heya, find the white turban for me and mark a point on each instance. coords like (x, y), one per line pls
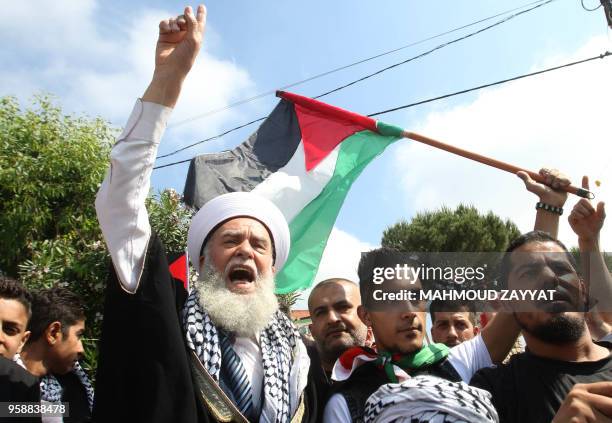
(238, 204)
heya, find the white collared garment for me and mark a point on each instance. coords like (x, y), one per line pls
(250, 354)
(123, 218)
(125, 224)
(120, 203)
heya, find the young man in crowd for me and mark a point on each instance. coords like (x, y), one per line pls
(452, 323)
(54, 348)
(15, 312)
(564, 375)
(455, 322)
(399, 328)
(16, 384)
(335, 327)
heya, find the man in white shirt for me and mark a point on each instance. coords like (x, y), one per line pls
(399, 328)
(223, 351)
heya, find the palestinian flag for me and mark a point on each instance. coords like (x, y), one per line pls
(304, 157)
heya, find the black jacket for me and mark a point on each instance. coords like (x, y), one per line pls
(18, 385)
(144, 369)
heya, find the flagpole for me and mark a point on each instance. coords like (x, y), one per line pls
(385, 129)
(581, 192)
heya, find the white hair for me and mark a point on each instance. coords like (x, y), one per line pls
(242, 314)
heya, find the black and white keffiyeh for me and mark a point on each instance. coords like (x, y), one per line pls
(51, 390)
(277, 342)
(430, 399)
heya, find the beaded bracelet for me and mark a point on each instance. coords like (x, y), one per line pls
(549, 208)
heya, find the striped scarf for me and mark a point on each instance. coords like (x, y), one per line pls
(50, 388)
(277, 342)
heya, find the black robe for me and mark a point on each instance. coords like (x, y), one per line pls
(319, 387)
(74, 393)
(143, 372)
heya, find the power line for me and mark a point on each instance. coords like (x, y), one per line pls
(456, 40)
(503, 81)
(601, 56)
(213, 137)
(171, 164)
(367, 76)
(329, 72)
(590, 10)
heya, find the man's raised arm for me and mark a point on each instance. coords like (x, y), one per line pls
(120, 203)
(552, 199)
(587, 220)
(500, 334)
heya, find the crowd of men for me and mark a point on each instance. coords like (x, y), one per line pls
(40, 348)
(224, 351)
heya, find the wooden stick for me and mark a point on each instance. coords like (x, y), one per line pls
(581, 192)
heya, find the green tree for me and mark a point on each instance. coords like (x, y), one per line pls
(287, 301)
(461, 230)
(51, 166)
(170, 219)
(575, 251)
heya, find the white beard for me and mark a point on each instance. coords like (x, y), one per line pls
(242, 314)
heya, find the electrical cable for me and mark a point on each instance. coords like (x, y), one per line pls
(600, 56)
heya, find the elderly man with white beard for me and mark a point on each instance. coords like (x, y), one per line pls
(224, 352)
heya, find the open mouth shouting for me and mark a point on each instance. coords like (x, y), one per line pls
(241, 277)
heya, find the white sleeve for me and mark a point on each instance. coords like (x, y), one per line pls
(120, 203)
(336, 410)
(469, 357)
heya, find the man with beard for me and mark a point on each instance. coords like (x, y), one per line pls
(335, 327)
(562, 375)
(224, 352)
(399, 328)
